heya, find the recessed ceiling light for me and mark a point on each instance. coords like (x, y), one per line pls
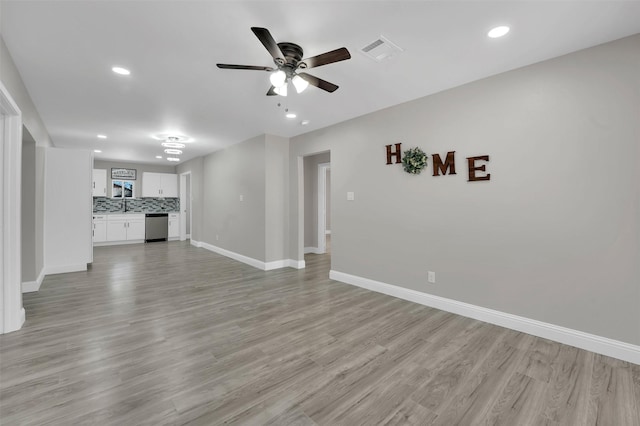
(304, 122)
(173, 151)
(97, 150)
(102, 136)
(173, 145)
(291, 115)
(121, 71)
(159, 156)
(172, 159)
(498, 31)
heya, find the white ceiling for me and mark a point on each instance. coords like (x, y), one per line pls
(64, 51)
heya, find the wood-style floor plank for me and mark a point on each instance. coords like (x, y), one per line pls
(167, 333)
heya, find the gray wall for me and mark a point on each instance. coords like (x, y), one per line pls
(228, 223)
(311, 197)
(31, 120)
(28, 214)
(276, 188)
(553, 236)
(140, 169)
(195, 166)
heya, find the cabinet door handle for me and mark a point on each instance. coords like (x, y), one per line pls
(94, 185)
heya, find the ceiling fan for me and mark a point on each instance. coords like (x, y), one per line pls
(288, 60)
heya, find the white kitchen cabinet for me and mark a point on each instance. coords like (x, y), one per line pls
(99, 228)
(159, 185)
(174, 226)
(125, 227)
(99, 186)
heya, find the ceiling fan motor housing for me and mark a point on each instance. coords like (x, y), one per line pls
(292, 56)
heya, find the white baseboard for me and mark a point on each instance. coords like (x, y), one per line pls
(578, 339)
(296, 264)
(63, 269)
(195, 243)
(23, 317)
(264, 266)
(188, 236)
(117, 243)
(33, 286)
(313, 250)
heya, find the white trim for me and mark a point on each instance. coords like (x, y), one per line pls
(264, 266)
(578, 339)
(195, 243)
(188, 236)
(183, 217)
(117, 243)
(33, 286)
(12, 314)
(63, 269)
(313, 250)
(296, 264)
(327, 232)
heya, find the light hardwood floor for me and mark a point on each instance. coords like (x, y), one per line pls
(165, 333)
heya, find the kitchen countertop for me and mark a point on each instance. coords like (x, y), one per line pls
(112, 213)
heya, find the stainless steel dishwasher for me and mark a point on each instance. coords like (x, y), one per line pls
(156, 227)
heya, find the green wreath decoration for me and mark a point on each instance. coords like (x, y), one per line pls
(414, 161)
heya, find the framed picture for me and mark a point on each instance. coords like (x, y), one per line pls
(129, 174)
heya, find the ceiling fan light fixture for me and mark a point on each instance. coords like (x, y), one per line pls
(282, 90)
(278, 79)
(299, 83)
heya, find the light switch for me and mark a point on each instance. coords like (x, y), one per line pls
(350, 196)
(241, 197)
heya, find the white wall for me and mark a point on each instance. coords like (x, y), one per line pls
(553, 236)
(68, 207)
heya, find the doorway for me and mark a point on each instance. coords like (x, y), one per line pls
(316, 194)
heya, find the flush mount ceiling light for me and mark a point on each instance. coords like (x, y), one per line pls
(173, 151)
(173, 159)
(498, 31)
(172, 137)
(102, 136)
(159, 157)
(173, 145)
(121, 71)
(97, 151)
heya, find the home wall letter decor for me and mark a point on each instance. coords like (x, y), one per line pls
(397, 153)
(441, 168)
(449, 164)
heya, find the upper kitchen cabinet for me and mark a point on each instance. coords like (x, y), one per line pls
(99, 186)
(159, 185)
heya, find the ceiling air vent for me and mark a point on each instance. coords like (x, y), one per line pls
(381, 49)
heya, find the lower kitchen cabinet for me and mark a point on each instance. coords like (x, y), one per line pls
(174, 226)
(125, 227)
(99, 233)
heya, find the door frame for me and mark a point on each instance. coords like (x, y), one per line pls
(183, 195)
(12, 314)
(322, 206)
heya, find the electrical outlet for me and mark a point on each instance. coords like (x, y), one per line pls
(350, 196)
(431, 277)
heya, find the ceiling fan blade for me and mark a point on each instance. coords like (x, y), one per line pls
(271, 92)
(243, 67)
(318, 82)
(267, 40)
(337, 55)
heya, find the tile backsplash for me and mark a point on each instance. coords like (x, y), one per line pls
(140, 205)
